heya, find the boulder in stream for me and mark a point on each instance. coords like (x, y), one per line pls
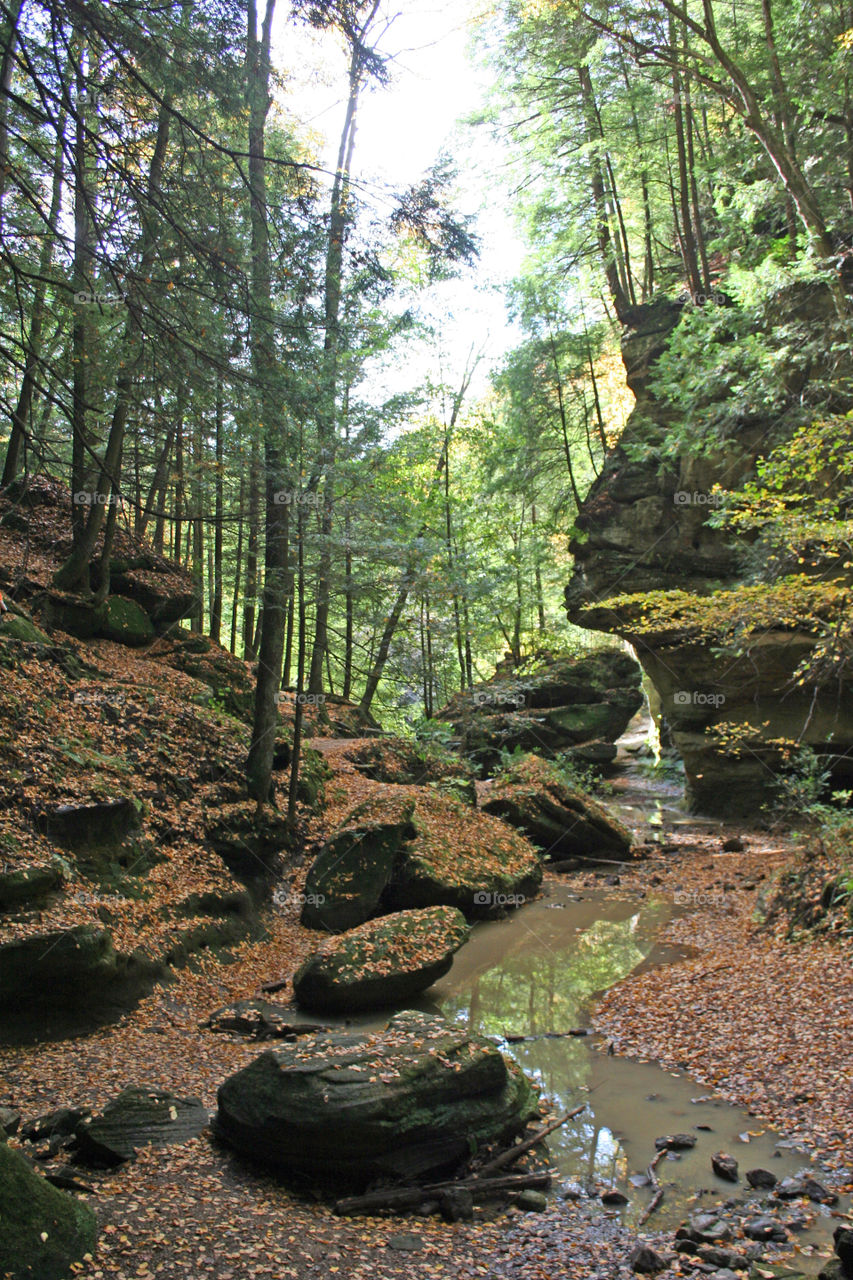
(384, 961)
(404, 1103)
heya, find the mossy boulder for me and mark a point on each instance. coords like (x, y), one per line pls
(534, 796)
(44, 1230)
(27, 884)
(408, 1102)
(551, 702)
(126, 622)
(346, 881)
(64, 967)
(138, 1117)
(16, 626)
(409, 847)
(382, 962)
(227, 676)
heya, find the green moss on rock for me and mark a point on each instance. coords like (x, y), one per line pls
(125, 622)
(43, 1230)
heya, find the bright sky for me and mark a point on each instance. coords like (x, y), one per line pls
(402, 130)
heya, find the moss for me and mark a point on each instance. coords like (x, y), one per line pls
(14, 626)
(125, 622)
(44, 1229)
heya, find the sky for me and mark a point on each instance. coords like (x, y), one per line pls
(403, 128)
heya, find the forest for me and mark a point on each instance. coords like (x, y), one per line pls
(378, 670)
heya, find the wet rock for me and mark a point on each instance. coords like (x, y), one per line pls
(722, 1257)
(44, 1230)
(139, 1117)
(843, 1241)
(259, 1020)
(535, 797)
(764, 1229)
(571, 1191)
(794, 1188)
(761, 1179)
(405, 1102)
(704, 1228)
(675, 1142)
(834, 1269)
(532, 1201)
(613, 1197)
(645, 1260)
(725, 1166)
(385, 961)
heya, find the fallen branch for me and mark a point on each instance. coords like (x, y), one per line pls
(510, 1156)
(407, 1197)
(656, 1199)
(269, 987)
(651, 1206)
(512, 1037)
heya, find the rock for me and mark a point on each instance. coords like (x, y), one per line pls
(645, 1260)
(534, 796)
(843, 1241)
(722, 1257)
(834, 1269)
(404, 1103)
(675, 1142)
(71, 967)
(9, 1121)
(392, 853)
(259, 1019)
(704, 1228)
(764, 1229)
(139, 1117)
(125, 622)
(571, 1191)
(253, 847)
(44, 1230)
(406, 1242)
(60, 1124)
(384, 961)
(354, 867)
(456, 1205)
(552, 702)
(725, 1166)
(734, 844)
(106, 822)
(612, 1197)
(761, 1179)
(158, 586)
(532, 1201)
(794, 1188)
(25, 884)
(227, 676)
(16, 626)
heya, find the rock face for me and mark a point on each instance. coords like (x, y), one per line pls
(77, 966)
(259, 1020)
(551, 703)
(412, 1100)
(27, 884)
(720, 653)
(560, 820)
(44, 1230)
(139, 1117)
(382, 962)
(407, 848)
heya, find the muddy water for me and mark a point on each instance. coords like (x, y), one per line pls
(537, 973)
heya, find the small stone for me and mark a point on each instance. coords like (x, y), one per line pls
(764, 1229)
(571, 1191)
(613, 1197)
(675, 1142)
(761, 1179)
(532, 1201)
(724, 1166)
(705, 1228)
(9, 1120)
(405, 1242)
(645, 1260)
(734, 844)
(723, 1257)
(843, 1238)
(834, 1270)
(794, 1188)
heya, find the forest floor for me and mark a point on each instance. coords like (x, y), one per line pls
(767, 1023)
